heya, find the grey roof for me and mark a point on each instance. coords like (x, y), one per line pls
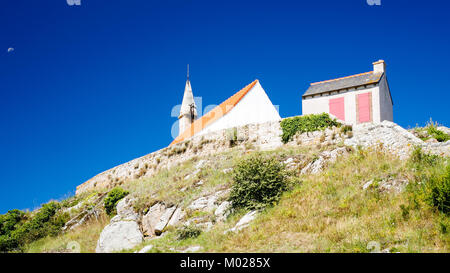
(343, 83)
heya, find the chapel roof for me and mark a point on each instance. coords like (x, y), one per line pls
(215, 114)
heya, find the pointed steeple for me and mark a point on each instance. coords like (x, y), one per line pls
(188, 111)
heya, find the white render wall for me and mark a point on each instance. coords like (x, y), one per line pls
(254, 107)
(320, 104)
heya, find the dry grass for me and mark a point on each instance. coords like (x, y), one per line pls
(85, 235)
(331, 213)
(327, 212)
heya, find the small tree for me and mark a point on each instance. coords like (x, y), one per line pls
(113, 198)
(258, 182)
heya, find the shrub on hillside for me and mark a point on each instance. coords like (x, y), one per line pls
(437, 134)
(432, 173)
(113, 198)
(307, 123)
(420, 159)
(186, 232)
(258, 182)
(18, 228)
(437, 190)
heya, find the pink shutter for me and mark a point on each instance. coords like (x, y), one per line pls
(337, 108)
(364, 107)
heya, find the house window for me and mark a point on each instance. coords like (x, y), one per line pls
(337, 108)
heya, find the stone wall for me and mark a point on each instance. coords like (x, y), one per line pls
(265, 136)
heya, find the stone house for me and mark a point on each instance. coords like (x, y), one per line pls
(354, 99)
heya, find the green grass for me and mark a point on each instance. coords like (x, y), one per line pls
(327, 212)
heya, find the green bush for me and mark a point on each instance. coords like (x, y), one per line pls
(420, 160)
(437, 190)
(258, 182)
(113, 198)
(186, 232)
(18, 228)
(307, 123)
(437, 134)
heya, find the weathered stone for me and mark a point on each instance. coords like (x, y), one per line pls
(244, 221)
(393, 185)
(367, 184)
(125, 209)
(192, 249)
(177, 217)
(227, 170)
(263, 135)
(325, 158)
(164, 220)
(206, 226)
(118, 236)
(222, 210)
(145, 249)
(152, 217)
(289, 160)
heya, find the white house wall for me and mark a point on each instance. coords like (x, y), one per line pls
(254, 107)
(320, 104)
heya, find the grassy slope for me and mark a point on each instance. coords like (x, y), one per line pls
(328, 212)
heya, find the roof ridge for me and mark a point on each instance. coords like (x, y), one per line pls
(356, 75)
(216, 113)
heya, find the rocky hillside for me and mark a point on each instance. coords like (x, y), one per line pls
(331, 188)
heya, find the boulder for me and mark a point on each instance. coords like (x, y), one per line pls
(152, 217)
(244, 221)
(325, 158)
(164, 220)
(222, 211)
(145, 249)
(192, 249)
(367, 184)
(207, 203)
(118, 236)
(125, 209)
(176, 218)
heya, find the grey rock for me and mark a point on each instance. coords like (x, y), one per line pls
(118, 236)
(192, 249)
(244, 221)
(152, 217)
(125, 209)
(177, 217)
(367, 184)
(222, 210)
(145, 249)
(164, 220)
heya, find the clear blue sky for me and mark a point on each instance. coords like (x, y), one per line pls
(85, 88)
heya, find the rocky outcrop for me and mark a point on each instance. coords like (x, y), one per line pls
(223, 210)
(118, 236)
(244, 221)
(394, 185)
(207, 203)
(123, 232)
(90, 212)
(396, 139)
(325, 158)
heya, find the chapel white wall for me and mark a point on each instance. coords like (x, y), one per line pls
(254, 107)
